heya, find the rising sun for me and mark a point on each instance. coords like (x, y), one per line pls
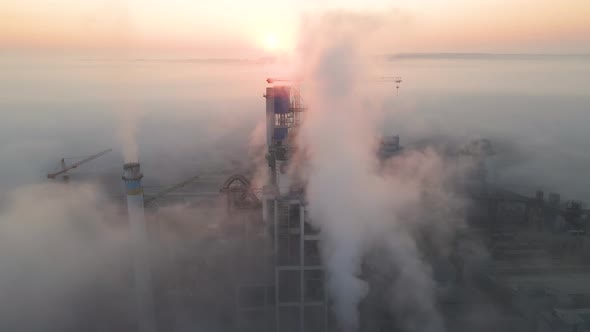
(272, 42)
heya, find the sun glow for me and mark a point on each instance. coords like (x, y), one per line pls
(272, 42)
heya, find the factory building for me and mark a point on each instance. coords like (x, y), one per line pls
(258, 268)
(299, 296)
(296, 299)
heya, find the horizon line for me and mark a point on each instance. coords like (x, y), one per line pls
(387, 56)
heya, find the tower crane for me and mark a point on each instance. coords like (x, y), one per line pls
(65, 168)
(273, 80)
(396, 79)
(150, 200)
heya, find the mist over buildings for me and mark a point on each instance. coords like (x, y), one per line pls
(197, 118)
(189, 108)
(63, 249)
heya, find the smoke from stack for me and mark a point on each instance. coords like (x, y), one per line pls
(359, 205)
(128, 136)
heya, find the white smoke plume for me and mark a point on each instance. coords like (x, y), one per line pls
(126, 105)
(116, 21)
(128, 135)
(257, 152)
(358, 204)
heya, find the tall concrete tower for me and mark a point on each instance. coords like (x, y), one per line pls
(300, 301)
(140, 249)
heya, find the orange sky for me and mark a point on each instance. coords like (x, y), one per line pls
(229, 28)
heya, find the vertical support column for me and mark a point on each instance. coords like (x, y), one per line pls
(301, 268)
(276, 263)
(493, 213)
(264, 209)
(527, 214)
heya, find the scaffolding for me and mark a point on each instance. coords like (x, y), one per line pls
(299, 276)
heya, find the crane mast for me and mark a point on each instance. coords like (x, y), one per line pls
(396, 79)
(166, 191)
(65, 168)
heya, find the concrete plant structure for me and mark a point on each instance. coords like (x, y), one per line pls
(256, 267)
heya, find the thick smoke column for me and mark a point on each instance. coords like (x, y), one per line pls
(113, 20)
(333, 164)
(358, 206)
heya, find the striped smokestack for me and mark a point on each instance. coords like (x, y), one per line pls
(139, 237)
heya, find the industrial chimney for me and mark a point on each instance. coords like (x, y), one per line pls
(140, 249)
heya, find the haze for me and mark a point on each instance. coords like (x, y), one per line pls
(186, 28)
(178, 86)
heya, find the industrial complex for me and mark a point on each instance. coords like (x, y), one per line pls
(518, 263)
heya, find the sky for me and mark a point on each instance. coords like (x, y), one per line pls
(229, 28)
